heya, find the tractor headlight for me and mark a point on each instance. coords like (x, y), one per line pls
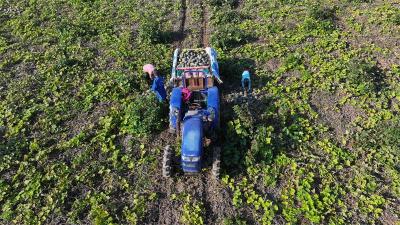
(191, 158)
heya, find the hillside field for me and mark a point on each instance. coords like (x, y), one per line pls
(317, 141)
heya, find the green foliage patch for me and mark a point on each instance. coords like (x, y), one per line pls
(318, 144)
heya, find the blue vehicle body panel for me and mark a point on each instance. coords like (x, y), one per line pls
(192, 142)
(192, 136)
(176, 97)
(175, 103)
(213, 102)
(214, 63)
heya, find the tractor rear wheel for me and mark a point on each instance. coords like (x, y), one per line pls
(216, 165)
(167, 162)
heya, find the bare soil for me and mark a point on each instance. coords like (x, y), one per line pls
(338, 118)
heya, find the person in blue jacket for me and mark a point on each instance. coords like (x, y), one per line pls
(157, 85)
(246, 81)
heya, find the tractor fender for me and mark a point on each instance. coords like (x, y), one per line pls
(213, 103)
(175, 106)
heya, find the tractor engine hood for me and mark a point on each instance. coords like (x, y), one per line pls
(192, 136)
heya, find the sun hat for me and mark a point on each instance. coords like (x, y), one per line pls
(148, 68)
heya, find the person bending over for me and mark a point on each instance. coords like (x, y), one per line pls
(157, 82)
(246, 82)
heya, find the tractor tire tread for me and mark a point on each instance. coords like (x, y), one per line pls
(167, 162)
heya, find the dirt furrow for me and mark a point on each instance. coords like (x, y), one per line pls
(182, 20)
(204, 32)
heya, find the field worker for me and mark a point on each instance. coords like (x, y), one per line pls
(157, 82)
(246, 81)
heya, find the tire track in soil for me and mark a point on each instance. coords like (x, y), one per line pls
(204, 31)
(182, 23)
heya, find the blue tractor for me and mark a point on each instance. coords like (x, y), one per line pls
(194, 109)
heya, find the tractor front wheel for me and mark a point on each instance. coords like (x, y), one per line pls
(167, 162)
(216, 166)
